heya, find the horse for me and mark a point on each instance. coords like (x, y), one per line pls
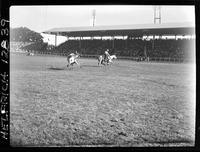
(30, 54)
(141, 58)
(72, 59)
(101, 59)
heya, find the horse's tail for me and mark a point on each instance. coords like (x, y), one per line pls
(98, 57)
(68, 58)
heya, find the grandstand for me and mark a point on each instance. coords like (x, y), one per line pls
(136, 40)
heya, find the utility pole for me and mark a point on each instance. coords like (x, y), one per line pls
(157, 20)
(93, 15)
(157, 14)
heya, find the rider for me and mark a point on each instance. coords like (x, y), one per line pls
(72, 54)
(106, 55)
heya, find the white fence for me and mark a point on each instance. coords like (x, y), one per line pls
(155, 59)
(152, 59)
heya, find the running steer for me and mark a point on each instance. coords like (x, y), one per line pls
(72, 59)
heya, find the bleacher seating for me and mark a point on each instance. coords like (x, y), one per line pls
(133, 47)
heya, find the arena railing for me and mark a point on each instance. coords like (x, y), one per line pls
(151, 59)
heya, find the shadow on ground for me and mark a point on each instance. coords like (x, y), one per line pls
(90, 66)
(55, 68)
(173, 141)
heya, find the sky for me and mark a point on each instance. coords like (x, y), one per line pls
(42, 18)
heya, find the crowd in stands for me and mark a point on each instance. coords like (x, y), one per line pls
(180, 48)
(35, 47)
(171, 48)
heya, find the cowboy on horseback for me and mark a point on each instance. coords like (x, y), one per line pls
(106, 56)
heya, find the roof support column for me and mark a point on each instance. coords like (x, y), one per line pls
(80, 43)
(56, 39)
(126, 43)
(153, 43)
(145, 48)
(113, 44)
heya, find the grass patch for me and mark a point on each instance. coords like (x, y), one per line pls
(125, 104)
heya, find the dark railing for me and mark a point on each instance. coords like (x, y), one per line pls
(152, 59)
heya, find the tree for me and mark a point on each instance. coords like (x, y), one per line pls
(23, 34)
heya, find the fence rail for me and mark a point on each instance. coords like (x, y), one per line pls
(156, 59)
(151, 59)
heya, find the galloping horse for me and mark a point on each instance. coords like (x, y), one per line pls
(30, 54)
(72, 59)
(102, 61)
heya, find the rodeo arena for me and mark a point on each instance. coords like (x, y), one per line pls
(118, 85)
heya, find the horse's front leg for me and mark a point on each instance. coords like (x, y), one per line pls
(77, 63)
(103, 62)
(110, 62)
(68, 62)
(100, 62)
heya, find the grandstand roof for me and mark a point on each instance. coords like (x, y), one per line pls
(122, 30)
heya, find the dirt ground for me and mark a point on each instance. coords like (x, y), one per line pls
(130, 104)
